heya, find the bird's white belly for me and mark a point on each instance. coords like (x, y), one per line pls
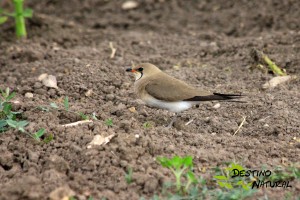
(176, 107)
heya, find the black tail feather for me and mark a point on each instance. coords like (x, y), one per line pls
(218, 97)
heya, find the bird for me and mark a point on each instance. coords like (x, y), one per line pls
(160, 90)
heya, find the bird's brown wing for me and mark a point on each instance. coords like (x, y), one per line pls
(167, 88)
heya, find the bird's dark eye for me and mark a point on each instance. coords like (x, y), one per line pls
(140, 69)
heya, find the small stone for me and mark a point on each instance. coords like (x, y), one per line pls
(128, 5)
(216, 106)
(123, 163)
(88, 93)
(132, 109)
(25, 89)
(28, 95)
(52, 92)
(110, 97)
(40, 91)
(207, 119)
(37, 85)
(61, 193)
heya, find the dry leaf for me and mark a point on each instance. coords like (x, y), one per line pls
(276, 81)
(42, 76)
(50, 81)
(100, 140)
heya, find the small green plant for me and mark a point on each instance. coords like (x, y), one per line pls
(66, 108)
(19, 15)
(234, 188)
(3, 19)
(147, 125)
(180, 166)
(8, 118)
(109, 122)
(263, 59)
(66, 103)
(128, 176)
(282, 174)
(225, 179)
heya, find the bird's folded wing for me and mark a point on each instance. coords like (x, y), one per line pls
(172, 90)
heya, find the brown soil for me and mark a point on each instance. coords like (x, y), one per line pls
(210, 41)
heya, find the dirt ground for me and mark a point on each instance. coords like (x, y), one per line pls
(208, 42)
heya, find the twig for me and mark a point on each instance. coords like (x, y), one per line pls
(262, 58)
(189, 122)
(113, 50)
(240, 126)
(77, 123)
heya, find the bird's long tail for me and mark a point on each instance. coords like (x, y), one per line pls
(218, 97)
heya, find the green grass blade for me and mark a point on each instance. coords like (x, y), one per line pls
(66, 103)
(9, 97)
(3, 123)
(3, 19)
(23, 123)
(27, 13)
(53, 105)
(12, 123)
(39, 134)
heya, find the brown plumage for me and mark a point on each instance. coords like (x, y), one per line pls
(160, 90)
(167, 88)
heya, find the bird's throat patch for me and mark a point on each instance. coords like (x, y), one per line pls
(138, 78)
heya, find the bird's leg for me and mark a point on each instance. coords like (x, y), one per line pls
(173, 120)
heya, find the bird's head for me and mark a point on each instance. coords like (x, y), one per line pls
(143, 70)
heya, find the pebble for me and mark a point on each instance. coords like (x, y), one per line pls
(63, 192)
(52, 92)
(40, 91)
(28, 95)
(110, 97)
(216, 106)
(128, 5)
(37, 85)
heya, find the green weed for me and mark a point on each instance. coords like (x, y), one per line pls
(19, 15)
(180, 167)
(282, 174)
(189, 186)
(66, 107)
(109, 122)
(147, 125)
(8, 118)
(128, 176)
